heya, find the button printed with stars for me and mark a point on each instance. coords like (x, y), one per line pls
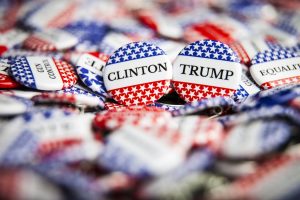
(206, 69)
(6, 81)
(90, 71)
(138, 73)
(43, 73)
(276, 68)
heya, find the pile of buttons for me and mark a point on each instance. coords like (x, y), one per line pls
(133, 99)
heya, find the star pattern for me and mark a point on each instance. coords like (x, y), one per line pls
(92, 80)
(76, 89)
(280, 82)
(67, 73)
(276, 54)
(141, 94)
(6, 81)
(193, 92)
(210, 49)
(240, 94)
(22, 73)
(166, 107)
(134, 51)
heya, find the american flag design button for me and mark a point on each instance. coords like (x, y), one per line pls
(90, 71)
(6, 81)
(50, 40)
(206, 69)
(138, 73)
(275, 68)
(43, 73)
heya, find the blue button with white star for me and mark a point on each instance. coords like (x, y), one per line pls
(206, 69)
(43, 73)
(138, 73)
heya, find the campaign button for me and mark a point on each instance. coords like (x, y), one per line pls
(43, 73)
(90, 68)
(246, 88)
(206, 69)
(275, 68)
(12, 105)
(138, 73)
(6, 81)
(50, 40)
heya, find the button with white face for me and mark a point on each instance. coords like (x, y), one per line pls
(138, 73)
(275, 68)
(43, 73)
(206, 69)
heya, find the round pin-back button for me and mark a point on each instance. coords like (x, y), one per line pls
(43, 73)
(6, 81)
(206, 69)
(275, 68)
(50, 40)
(138, 73)
(12, 105)
(90, 68)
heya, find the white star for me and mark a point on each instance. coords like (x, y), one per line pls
(134, 89)
(148, 93)
(128, 51)
(191, 52)
(159, 84)
(216, 55)
(144, 100)
(180, 86)
(188, 87)
(183, 92)
(125, 91)
(158, 51)
(212, 49)
(204, 48)
(133, 56)
(142, 87)
(222, 92)
(209, 42)
(200, 95)
(136, 49)
(142, 54)
(132, 45)
(192, 94)
(152, 46)
(122, 98)
(156, 92)
(130, 96)
(145, 48)
(150, 86)
(139, 94)
(207, 54)
(199, 53)
(150, 53)
(205, 89)
(120, 53)
(196, 46)
(197, 88)
(117, 59)
(117, 92)
(125, 57)
(218, 44)
(136, 101)
(214, 90)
